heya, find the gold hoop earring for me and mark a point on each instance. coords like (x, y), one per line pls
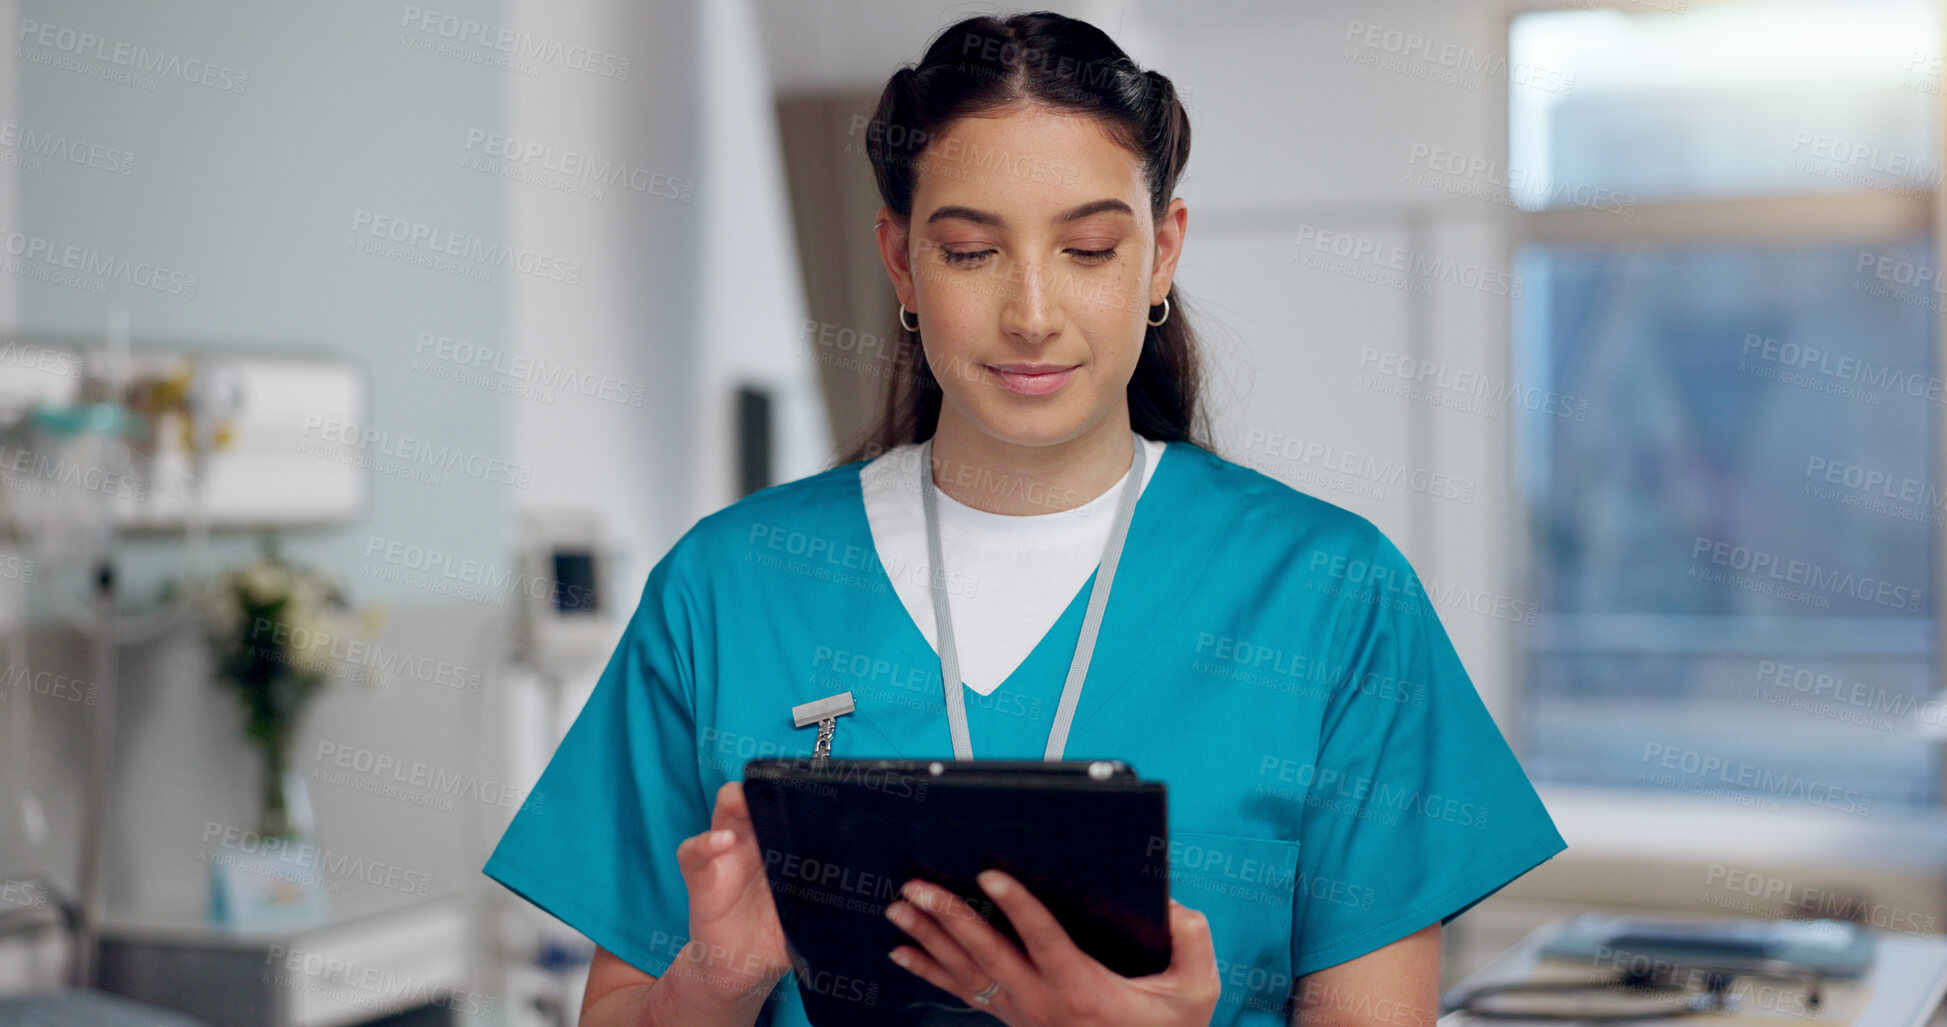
(914, 327)
(1166, 314)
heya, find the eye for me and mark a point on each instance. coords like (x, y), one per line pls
(964, 258)
(1094, 256)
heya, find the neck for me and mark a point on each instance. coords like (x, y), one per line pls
(986, 473)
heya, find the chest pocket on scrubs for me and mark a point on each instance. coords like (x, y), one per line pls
(1244, 885)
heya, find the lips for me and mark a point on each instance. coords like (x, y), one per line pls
(1032, 379)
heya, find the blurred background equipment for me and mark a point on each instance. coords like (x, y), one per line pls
(569, 624)
(1597, 968)
(83, 460)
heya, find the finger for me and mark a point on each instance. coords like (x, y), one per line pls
(702, 858)
(927, 969)
(1052, 951)
(998, 957)
(731, 810)
(732, 813)
(951, 956)
(698, 851)
(1193, 957)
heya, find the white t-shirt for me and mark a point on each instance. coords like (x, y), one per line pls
(1008, 576)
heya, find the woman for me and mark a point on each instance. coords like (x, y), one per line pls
(1337, 790)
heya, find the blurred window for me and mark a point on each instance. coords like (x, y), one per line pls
(1733, 526)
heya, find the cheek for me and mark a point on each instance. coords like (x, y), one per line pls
(953, 323)
(1113, 322)
(1119, 299)
(958, 302)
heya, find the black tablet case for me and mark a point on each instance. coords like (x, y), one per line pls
(840, 837)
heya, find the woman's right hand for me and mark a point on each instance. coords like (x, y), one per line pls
(736, 947)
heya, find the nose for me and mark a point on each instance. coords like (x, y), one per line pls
(1030, 314)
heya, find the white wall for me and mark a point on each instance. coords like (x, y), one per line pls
(686, 296)
(753, 299)
(633, 318)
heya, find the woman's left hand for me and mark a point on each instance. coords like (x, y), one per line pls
(1053, 983)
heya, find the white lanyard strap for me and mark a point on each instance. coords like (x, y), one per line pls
(1098, 599)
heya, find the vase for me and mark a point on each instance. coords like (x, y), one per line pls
(272, 880)
(284, 806)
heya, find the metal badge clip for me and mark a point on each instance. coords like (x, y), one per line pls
(824, 713)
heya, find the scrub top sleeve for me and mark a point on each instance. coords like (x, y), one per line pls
(1416, 808)
(597, 846)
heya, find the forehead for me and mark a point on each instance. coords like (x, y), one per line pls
(1026, 162)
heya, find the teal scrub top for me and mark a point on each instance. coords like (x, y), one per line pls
(1335, 783)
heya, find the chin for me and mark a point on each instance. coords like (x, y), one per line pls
(1048, 426)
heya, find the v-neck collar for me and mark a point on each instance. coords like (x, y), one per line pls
(1135, 539)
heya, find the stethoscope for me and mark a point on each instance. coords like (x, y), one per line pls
(1633, 994)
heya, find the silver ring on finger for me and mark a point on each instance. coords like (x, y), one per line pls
(986, 995)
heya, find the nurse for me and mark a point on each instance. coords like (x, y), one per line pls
(1038, 555)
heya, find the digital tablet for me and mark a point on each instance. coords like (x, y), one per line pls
(839, 837)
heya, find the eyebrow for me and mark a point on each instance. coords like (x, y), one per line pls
(982, 217)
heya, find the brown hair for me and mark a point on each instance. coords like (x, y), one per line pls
(982, 65)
